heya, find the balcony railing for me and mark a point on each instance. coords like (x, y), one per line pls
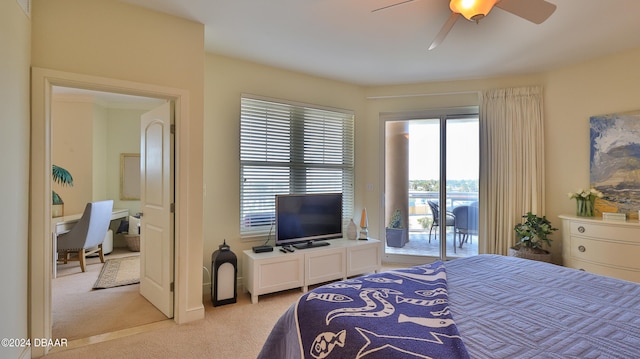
(418, 207)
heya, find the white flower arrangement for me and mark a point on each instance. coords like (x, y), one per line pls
(585, 200)
(590, 194)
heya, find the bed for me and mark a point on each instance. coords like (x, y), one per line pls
(485, 306)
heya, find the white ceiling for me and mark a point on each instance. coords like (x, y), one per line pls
(345, 40)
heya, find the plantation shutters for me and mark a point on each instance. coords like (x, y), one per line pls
(291, 148)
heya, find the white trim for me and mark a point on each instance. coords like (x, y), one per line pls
(387, 97)
(41, 259)
(383, 118)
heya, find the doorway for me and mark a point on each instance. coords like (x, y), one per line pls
(431, 180)
(92, 133)
(41, 258)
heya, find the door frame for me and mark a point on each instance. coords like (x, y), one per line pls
(40, 251)
(383, 118)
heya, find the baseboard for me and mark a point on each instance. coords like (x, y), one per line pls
(192, 314)
(26, 353)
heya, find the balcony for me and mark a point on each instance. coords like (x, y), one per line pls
(420, 213)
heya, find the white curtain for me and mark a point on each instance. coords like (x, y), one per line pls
(512, 165)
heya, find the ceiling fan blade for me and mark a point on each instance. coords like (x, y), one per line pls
(445, 30)
(392, 5)
(536, 11)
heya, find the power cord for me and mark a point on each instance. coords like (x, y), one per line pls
(269, 235)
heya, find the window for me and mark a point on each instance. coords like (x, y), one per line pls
(291, 148)
(431, 169)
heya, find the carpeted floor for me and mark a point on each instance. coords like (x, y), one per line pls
(79, 311)
(230, 331)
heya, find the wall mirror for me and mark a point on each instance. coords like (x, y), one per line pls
(130, 176)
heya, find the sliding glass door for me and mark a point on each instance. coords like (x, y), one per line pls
(422, 152)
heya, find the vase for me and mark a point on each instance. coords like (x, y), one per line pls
(352, 230)
(585, 206)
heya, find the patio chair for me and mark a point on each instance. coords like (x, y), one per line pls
(450, 222)
(466, 222)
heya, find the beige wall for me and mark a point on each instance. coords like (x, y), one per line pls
(72, 148)
(88, 137)
(123, 130)
(100, 152)
(226, 80)
(124, 137)
(573, 94)
(110, 39)
(15, 33)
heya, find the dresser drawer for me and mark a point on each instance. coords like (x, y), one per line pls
(626, 274)
(606, 231)
(607, 252)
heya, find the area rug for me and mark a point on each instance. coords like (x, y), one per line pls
(118, 272)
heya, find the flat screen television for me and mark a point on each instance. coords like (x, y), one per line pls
(308, 219)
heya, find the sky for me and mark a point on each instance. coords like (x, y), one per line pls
(463, 147)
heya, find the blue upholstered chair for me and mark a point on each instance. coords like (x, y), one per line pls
(466, 222)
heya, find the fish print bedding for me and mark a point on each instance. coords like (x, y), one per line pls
(504, 308)
(398, 313)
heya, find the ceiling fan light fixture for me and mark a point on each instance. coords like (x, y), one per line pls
(473, 10)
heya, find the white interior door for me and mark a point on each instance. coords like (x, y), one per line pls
(156, 201)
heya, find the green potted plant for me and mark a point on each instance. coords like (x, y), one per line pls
(63, 178)
(396, 235)
(533, 235)
(425, 222)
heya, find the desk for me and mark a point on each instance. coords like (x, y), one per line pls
(60, 225)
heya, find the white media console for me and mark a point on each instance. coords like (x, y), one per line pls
(276, 271)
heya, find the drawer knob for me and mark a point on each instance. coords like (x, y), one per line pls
(581, 248)
(581, 229)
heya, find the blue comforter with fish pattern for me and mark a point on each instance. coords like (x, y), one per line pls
(504, 308)
(394, 314)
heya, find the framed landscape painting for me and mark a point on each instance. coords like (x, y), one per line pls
(615, 162)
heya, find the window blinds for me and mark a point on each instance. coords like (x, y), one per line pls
(291, 148)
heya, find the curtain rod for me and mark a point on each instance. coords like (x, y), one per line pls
(423, 95)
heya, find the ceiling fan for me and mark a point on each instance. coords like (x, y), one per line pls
(536, 11)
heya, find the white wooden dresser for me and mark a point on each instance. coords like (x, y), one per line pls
(610, 248)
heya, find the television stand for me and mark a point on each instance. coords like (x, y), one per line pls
(311, 244)
(270, 272)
